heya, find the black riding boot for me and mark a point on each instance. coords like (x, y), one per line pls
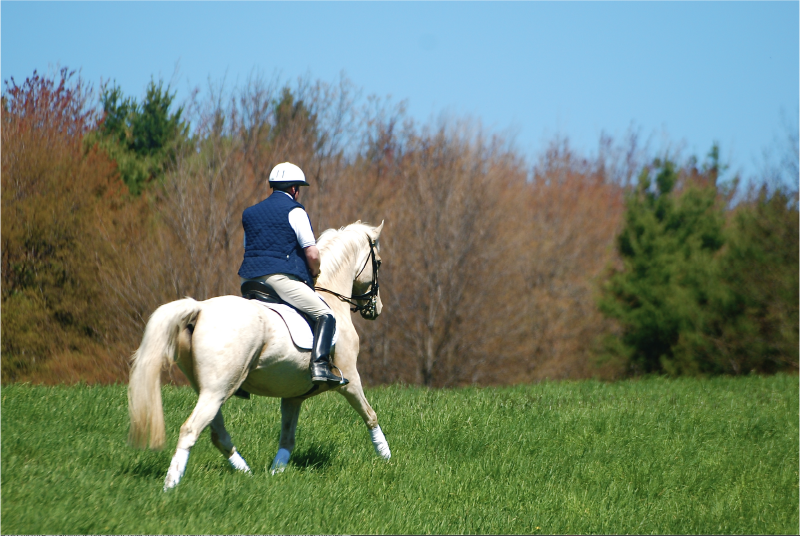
(321, 353)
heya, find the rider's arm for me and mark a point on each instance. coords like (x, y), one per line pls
(313, 260)
(299, 221)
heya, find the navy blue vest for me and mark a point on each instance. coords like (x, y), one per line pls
(271, 243)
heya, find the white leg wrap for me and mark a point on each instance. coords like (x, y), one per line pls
(177, 468)
(380, 443)
(238, 463)
(280, 461)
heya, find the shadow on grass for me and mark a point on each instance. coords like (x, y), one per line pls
(315, 457)
(147, 468)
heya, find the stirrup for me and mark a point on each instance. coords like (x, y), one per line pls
(329, 378)
(343, 380)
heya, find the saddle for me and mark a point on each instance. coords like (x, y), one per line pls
(256, 290)
(300, 326)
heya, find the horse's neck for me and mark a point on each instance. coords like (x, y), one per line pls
(342, 281)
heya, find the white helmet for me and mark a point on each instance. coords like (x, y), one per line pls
(286, 175)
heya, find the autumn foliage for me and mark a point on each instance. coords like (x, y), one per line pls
(61, 201)
(492, 272)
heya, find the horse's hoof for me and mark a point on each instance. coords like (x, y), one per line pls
(177, 468)
(380, 443)
(277, 470)
(170, 482)
(280, 462)
(238, 463)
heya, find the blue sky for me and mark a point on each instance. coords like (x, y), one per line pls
(681, 72)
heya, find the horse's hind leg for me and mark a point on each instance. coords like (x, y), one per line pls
(354, 394)
(290, 411)
(206, 409)
(222, 440)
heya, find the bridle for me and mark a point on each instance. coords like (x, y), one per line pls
(371, 295)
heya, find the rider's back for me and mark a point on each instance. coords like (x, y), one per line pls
(272, 246)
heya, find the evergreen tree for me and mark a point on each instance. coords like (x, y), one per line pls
(661, 296)
(155, 131)
(756, 325)
(142, 139)
(291, 114)
(118, 112)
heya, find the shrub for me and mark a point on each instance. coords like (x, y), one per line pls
(57, 198)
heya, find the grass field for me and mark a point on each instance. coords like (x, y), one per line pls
(646, 456)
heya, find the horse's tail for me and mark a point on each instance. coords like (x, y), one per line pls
(157, 350)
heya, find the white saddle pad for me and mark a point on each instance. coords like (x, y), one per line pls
(299, 329)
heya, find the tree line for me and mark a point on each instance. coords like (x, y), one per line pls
(495, 270)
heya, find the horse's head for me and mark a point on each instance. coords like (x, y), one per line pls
(365, 290)
(349, 266)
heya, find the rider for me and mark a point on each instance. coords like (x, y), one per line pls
(281, 252)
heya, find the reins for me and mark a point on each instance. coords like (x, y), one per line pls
(371, 295)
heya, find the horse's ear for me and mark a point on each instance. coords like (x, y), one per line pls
(378, 229)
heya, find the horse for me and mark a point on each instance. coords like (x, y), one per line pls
(228, 343)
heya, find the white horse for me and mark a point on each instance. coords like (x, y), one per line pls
(228, 342)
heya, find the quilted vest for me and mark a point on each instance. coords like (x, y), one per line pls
(272, 245)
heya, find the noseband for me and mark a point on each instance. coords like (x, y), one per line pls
(371, 295)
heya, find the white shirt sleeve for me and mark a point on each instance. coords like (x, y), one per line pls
(299, 221)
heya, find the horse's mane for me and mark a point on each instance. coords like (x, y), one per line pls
(339, 246)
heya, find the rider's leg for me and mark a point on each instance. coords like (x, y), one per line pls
(320, 364)
(299, 295)
(296, 293)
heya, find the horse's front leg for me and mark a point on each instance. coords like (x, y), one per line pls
(354, 394)
(290, 411)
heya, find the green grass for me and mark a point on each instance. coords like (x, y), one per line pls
(647, 456)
